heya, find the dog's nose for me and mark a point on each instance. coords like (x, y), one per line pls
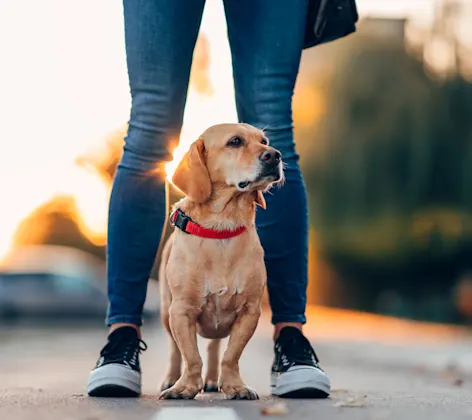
(270, 157)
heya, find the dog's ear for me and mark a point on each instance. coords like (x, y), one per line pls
(260, 200)
(191, 176)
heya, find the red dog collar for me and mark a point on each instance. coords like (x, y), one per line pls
(179, 219)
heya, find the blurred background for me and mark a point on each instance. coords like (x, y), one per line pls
(383, 123)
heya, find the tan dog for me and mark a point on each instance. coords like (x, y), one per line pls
(212, 273)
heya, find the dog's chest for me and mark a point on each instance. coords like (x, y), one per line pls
(222, 302)
(222, 298)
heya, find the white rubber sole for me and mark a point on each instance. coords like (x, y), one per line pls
(301, 382)
(114, 380)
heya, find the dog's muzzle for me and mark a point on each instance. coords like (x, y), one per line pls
(270, 164)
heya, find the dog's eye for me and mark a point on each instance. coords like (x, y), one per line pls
(264, 142)
(235, 142)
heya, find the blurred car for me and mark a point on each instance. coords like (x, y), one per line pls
(48, 294)
(45, 281)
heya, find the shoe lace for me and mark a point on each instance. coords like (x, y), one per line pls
(124, 349)
(297, 350)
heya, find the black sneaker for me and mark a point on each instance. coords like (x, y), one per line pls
(117, 372)
(295, 372)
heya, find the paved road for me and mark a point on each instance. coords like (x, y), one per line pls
(381, 369)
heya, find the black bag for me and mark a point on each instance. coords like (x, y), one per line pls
(328, 20)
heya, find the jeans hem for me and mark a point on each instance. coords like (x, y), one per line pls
(289, 318)
(128, 319)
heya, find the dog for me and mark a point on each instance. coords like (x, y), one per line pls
(212, 272)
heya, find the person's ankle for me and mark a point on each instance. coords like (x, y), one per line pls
(114, 327)
(280, 325)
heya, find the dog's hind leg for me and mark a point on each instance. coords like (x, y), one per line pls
(175, 358)
(213, 366)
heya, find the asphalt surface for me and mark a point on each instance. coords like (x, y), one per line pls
(379, 373)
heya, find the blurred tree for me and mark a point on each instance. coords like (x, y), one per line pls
(389, 173)
(104, 159)
(58, 222)
(55, 223)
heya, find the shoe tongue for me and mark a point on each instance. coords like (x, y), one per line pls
(128, 332)
(288, 332)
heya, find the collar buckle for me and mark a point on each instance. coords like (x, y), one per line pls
(179, 219)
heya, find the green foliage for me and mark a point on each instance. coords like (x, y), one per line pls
(391, 185)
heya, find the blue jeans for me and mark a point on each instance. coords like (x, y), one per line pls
(266, 38)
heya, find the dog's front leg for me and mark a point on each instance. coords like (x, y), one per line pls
(243, 329)
(183, 318)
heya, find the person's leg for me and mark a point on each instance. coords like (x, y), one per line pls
(266, 39)
(266, 43)
(160, 38)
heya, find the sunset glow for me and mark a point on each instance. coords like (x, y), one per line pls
(76, 96)
(64, 89)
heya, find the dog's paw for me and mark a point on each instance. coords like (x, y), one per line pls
(184, 391)
(167, 383)
(211, 386)
(239, 392)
